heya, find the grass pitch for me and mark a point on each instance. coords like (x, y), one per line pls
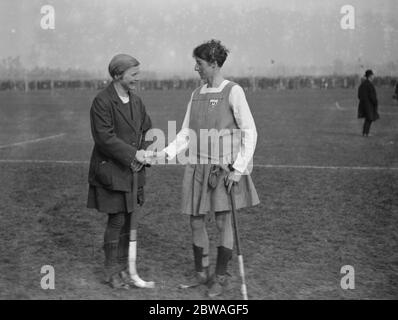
(329, 198)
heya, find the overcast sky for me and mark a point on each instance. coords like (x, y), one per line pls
(262, 35)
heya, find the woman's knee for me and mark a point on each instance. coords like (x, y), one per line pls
(223, 220)
(116, 220)
(197, 222)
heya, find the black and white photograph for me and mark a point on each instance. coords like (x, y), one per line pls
(212, 151)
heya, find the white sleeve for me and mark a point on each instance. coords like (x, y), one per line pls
(181, 142)
(245, 121)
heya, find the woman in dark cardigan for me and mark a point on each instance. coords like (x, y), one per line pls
(118, 124)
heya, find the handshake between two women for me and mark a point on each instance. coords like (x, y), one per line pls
(146, 157)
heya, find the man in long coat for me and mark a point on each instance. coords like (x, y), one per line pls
(368, 105)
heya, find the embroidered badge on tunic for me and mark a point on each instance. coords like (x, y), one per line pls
(213, 102)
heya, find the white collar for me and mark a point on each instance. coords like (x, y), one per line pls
(124, 99)
(222, 85)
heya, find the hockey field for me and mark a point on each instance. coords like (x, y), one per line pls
(329, 199)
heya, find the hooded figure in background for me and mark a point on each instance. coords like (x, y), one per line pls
(368, 105)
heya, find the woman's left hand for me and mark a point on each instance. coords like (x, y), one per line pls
(136, 166)
(232, 178)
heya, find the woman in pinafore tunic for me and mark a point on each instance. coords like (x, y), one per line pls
(219, 106)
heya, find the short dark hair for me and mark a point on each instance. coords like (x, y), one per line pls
(211, 51)
(120, 63)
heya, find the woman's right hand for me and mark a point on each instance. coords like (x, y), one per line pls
(140, 156)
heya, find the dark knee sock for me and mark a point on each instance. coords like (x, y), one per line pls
(124, 239)
(224, 251)
(200, 241)
(111, 241)
(223, 257)
(198, 256)
(113, 227)
(201, 258)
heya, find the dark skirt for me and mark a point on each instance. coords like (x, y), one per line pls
(109, 201)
